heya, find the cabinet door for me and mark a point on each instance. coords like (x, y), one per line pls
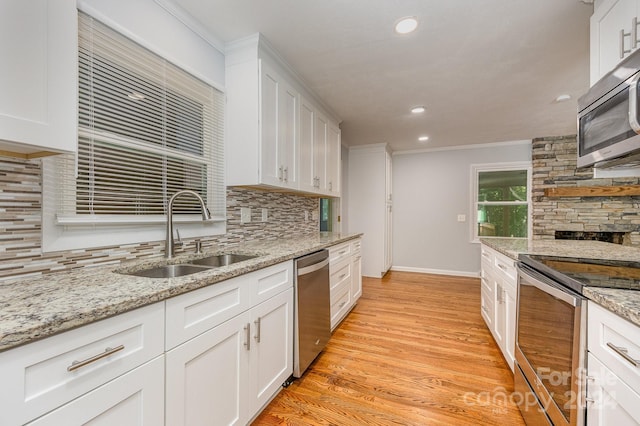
(38, 79)
(306, 168)
(320, 129)
(207, 377)
(271, 347)
(499, 319)
(333, 160)
(510, 326)
(356, 278)
(288, 100)
(609, 20)
(133, 399)
(272, 170)
(609, 400)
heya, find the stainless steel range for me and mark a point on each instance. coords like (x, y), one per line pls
(551, 332)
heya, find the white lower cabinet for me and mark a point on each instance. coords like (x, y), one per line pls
(73, 372)
(613, 373)
(227, 374)
(498, 292)
(133, 399)
(207, 375)
(345, 279)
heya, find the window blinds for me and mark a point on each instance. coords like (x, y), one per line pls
(147, 129)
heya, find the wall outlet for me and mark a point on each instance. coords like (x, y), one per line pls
(314, 215)
(265, 215)
(462, 218)
(245, 214)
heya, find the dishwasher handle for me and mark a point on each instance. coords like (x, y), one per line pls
(312, 268)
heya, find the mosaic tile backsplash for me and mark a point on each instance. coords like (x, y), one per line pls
(21, 221)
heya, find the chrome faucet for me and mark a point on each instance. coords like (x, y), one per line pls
(205, 216)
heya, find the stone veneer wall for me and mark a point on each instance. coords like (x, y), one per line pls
(554, 165)
(21, 210)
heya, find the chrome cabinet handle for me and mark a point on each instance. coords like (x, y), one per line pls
(257, 336)
(485, 310)
(280, 173)
(624, 353)
(485, 254)
(342, 304)
(108, 351)
(286, 174)
(247, 341)
(501, 266)
(330, 186)
(634, 33)
(623, 51)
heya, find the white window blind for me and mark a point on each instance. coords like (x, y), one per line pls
(147, 129)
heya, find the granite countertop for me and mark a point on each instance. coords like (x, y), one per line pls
(34, 308)
(625, 303)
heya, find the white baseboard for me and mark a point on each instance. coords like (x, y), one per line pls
(436, 271)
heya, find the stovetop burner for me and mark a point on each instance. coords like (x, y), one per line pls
(577, 273)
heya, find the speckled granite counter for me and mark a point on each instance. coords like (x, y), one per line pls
(625, 303)
(34, 308)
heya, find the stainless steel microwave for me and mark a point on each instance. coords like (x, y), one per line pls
(608, 121)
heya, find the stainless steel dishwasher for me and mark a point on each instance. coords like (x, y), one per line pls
(312, 309)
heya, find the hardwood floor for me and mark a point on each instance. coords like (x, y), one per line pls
(414, 351)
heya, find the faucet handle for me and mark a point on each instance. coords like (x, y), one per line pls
(179, 242)
(198, 246)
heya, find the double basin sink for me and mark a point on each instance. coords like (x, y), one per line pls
(191, 267)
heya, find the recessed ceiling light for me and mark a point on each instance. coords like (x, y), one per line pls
(562, 98)
(136, 96)
(423, 138)
(417, 110)
(406, 25)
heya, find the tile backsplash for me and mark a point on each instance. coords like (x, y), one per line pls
(21, 222)
(554, 165)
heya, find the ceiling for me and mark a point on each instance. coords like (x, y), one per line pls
(486, 71)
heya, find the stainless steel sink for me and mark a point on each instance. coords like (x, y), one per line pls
(221, 260)
(169, 271)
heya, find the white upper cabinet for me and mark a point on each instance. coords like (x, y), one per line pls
(38, 79)
(614, 34)
(276, 134)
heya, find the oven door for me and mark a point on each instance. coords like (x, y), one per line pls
(550, 348)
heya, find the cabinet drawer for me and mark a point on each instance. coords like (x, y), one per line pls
(340, 276)
(612, 340)
(356, 246)
(505, 266)
(339, 305)
(613, 401)
(486, 257)
(338, 253)
(270, 281)
(193, 313)
(135, 398)
(486, 302)
(36, 378)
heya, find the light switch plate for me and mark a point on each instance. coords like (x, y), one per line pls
(265, 215)
(462, 218)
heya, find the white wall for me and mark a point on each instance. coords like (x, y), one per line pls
(344, 189)
(430, 190)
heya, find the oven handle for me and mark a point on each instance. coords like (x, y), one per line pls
(550, 287)
(633, 104)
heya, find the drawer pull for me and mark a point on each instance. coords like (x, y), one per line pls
(485, 254)
(247, 341)
(257, 336)
(342, 252)
(624, 353)
(342, 276)
(108, 351)
(501, 266)
(342, 304)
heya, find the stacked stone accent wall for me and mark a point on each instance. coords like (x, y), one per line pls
(554, 165)
(21, 222)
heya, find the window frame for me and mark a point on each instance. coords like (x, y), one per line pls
(476, 169)
(62, 231)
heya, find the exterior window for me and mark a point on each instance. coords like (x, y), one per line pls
(146, 129)
(501, 200)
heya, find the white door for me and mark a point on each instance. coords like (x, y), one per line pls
(207, 377)
(320, 152)
(272, 170)
(271, 347)
(333, 160)
(288, 134)
(133, 399)
(608, 22)
(307, 166)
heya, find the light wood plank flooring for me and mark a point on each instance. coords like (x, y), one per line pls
(414, 351)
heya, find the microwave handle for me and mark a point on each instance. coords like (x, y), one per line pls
(633, 103)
